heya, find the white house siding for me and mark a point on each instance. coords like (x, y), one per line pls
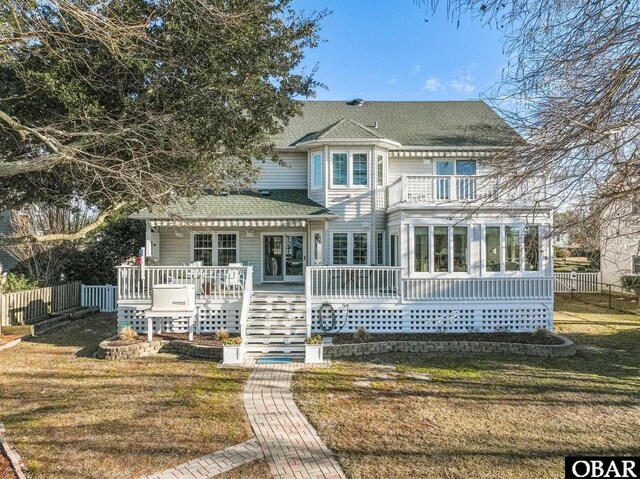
(291, 176)
(408, 166)
(176, 250)
(618, 247)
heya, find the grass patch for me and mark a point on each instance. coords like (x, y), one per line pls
(70, 416)
(485, 416)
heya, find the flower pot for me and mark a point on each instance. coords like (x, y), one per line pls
(233, 354)
(313, 353)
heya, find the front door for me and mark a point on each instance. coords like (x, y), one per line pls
(283, 257)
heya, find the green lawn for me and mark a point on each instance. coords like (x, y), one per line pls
(484, 416)
(70, 416)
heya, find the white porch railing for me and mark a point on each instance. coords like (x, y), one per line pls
(447, 188)
(477, 289)
(102, 296)
(353, 282)
(211, 282)
(246, 301)
(577, 282)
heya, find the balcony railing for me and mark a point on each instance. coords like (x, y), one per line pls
(443, 189)
(211, 282)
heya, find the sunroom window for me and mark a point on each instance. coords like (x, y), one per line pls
(512, 248)
(531, 249)
(520, 246)
(441, 248)
(421, 249)
(460, 249)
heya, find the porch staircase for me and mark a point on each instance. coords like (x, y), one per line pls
(276, 325)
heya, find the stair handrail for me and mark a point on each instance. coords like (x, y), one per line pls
(308, 289)
(246, 301)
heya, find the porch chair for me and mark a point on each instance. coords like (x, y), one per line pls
(233, 278)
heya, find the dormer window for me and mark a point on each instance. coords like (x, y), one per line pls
(350, 169)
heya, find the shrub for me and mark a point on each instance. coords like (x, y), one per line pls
(562, 253)
(542, 332)
(234, 341)
(361, 335)
(631, 283)
(222, 334)
(317, 339)
(127, 334)
(17, 282)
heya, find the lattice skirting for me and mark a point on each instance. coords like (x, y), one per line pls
(212, 318)
(438, 318)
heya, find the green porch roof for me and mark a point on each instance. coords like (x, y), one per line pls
(279, 204)
(410, 123)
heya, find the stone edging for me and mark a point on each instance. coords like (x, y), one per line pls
(145, 348)
(11, 344)
(567, 348)
(14, 457)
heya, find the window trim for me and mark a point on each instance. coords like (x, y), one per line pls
(316, 177)
(381, 236)
(350, 184)
(350, 245)
(380, 164)
(503, 250)
(214, 235)
(450, 244)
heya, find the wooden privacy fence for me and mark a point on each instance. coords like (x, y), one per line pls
(23, 306)
(103, 296)
(577, 282)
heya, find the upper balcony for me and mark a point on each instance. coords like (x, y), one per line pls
(440, 190)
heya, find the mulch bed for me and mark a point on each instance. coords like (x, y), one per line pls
(519, 338)
(206, 339)
(6, 471)
(128, 342)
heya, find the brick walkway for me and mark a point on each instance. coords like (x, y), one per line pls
(290, 444)
(213, 464)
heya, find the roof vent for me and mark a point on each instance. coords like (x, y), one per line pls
(357, 102)
(265, 192)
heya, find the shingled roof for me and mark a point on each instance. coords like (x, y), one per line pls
(410, 123)
(279, 204)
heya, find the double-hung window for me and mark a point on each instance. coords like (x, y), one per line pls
(380, 170)
(635, 264)
(349, 169)
(215, 249)
(350, 248)
(316, 171)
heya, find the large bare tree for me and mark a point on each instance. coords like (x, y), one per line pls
(572, 89)
(125, 103)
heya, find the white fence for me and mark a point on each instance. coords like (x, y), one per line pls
(102, 296)
(577, 282)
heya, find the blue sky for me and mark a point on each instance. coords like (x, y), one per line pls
(385, 50)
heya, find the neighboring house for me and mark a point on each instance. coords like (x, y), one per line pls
(620, 248)
(386, 216)
(6, 259)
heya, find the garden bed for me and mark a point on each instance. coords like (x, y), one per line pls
(501, 337)
(206, 339)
